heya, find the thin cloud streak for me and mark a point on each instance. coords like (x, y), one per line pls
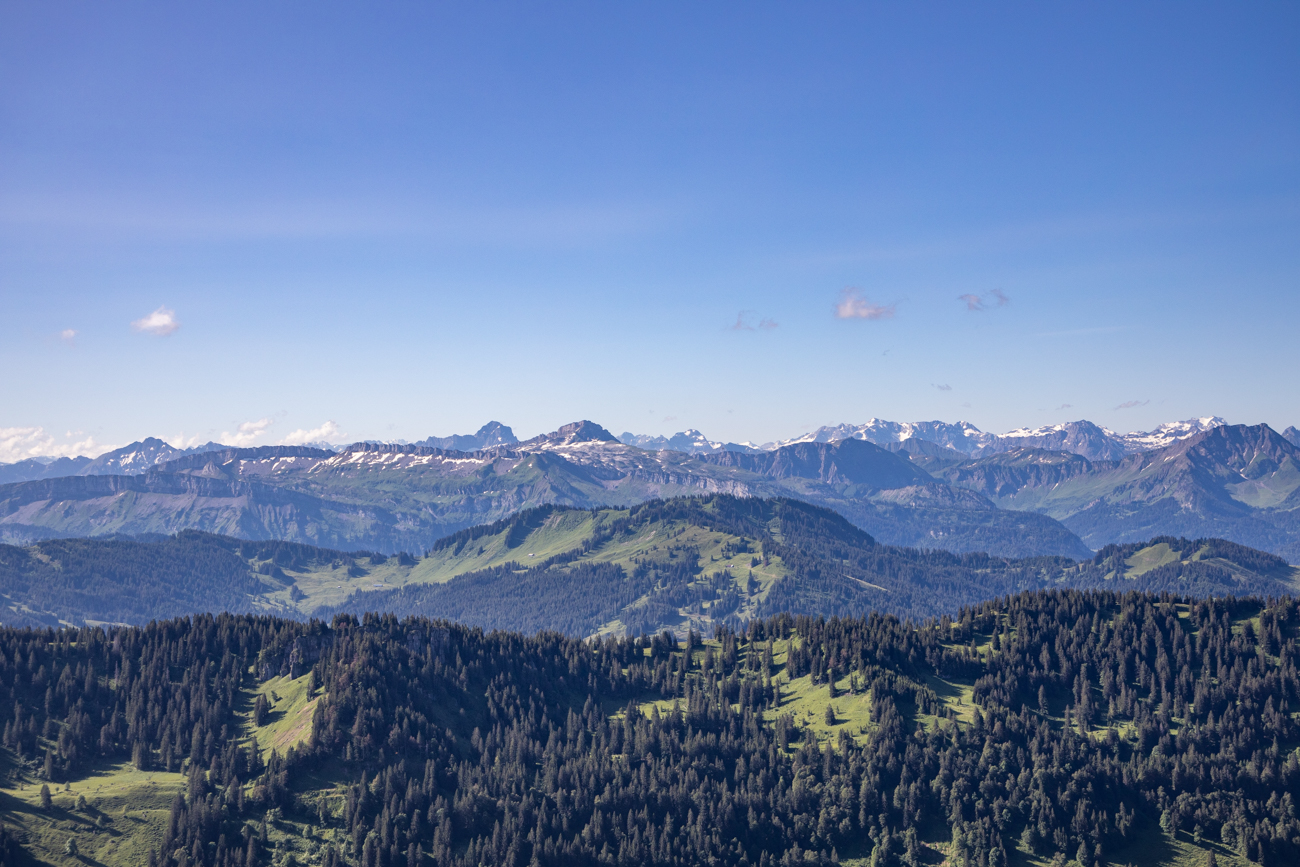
(1010, 237)
(566, 224)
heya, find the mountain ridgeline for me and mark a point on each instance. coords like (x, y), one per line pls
(1048, 727)
(399, 497)
(1241, 483)
(682, 564)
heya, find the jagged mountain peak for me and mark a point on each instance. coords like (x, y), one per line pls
(1082, 437)
(690, 441)
(1168, 433)
(573, 433)
(1239, 446)
(142, 456)
(490, 435)
(961, 436)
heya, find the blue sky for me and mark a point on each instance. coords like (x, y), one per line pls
(406, 220)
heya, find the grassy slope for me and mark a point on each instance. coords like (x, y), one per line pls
(561, 532)
(124, 839)
(329, 582)
(1154, 556)
(289, 722)
(300, 587)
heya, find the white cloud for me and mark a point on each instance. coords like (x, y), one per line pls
(854, 305)
(181, 441)
(68, 335)
(248, 433)
(21, 443)
(326, 433)
(159, 323)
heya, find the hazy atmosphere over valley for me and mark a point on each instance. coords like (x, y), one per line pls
(598, 435)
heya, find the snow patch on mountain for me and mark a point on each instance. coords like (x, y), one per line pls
(1169, 433)
(689, 441)
(961, 436)
(1079, 437)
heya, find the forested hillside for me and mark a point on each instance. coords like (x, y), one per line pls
(1099, 727)
(678, 564)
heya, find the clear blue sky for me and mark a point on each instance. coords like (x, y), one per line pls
(408, 219)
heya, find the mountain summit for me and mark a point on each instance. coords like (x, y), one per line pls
(573, 433)
(492, 434)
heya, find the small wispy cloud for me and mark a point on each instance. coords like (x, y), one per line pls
(745, 322)
(159, 323)
(1063, 406)
(68, 335)
(977, 303)
(944, 387)
(854, 305)
(669, 418)
(326, 433)
(1130, 404)
(247, 434)
(21, 443)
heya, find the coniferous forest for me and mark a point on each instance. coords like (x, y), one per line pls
(1048, 727)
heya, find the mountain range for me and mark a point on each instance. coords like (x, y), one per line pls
(1024, 493)
(1234, 481)
(393, 498)
(138, 457)
(674, 564)
(1079, 437)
